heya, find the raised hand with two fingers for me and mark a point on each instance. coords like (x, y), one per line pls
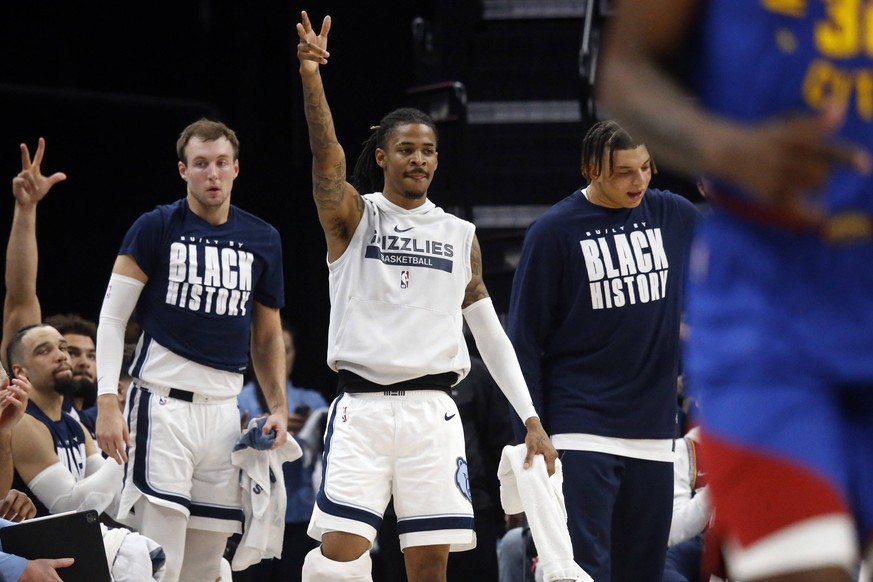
(30, 186)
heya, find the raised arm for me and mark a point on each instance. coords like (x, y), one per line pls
(775, 160)
(339, 205)
(21, 306)
(637, 61)
(500, 359)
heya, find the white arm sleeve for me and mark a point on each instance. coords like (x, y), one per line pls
(691, 512)
(122, 293)
(58, 490)
(499, 356)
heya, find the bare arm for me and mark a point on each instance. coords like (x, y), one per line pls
(339, 205)
(675, 135)
(37, 462)
(33, 448)
(774, 160)
(268, 360)
(21, 306)
(6, 465)
(476, 287)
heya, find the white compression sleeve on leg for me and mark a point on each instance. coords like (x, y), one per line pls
(122, 293)
(317, 568)
(499, 356)
(167, 527)
(59, 491)
(203, 552)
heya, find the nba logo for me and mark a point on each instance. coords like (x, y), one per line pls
(404, 279)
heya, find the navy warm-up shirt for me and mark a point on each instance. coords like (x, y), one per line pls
(595, 314)
(203, 279)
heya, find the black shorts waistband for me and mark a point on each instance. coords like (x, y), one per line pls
(181, 395)
(350, 382)
(172, 393)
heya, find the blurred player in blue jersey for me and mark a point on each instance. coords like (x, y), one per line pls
(780, 302)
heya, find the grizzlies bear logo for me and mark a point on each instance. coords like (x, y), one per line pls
(462, 479)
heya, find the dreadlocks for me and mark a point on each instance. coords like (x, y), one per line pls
(368, 175)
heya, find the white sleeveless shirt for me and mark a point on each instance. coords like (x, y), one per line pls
(396, 294)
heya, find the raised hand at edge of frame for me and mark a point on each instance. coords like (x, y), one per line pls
(30, 186)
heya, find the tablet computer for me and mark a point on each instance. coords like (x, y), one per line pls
(74, 534)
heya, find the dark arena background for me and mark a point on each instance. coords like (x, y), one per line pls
(111, 84)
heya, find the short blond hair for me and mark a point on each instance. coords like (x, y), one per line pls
(207, 130)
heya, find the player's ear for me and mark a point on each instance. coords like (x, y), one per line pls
(381, 157)
(18, 371)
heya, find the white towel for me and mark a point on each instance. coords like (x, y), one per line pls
(264, 501)
(132, 556)
(311, 439)
(541, 498)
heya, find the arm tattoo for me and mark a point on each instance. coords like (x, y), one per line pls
(476, 287)
(339, 228)
(328, 181)
(327, 189)
(322, 135)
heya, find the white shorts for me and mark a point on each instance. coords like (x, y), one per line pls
(181, 459)
(409, 445)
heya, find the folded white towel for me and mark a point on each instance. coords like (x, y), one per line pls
(541, 498)
(132, 556)
(264, 500)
